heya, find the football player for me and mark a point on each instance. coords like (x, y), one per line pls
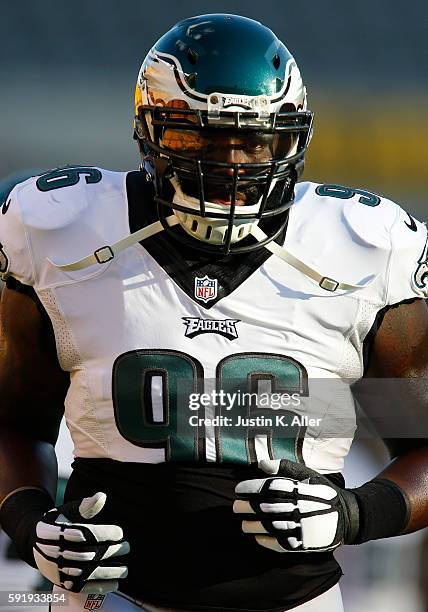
(151, 302)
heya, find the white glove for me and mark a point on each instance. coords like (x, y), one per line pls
(79, 555)
(297, 511)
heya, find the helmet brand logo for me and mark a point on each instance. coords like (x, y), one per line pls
(223, 327)
(206, 288)
(5, 207)
(242, 101)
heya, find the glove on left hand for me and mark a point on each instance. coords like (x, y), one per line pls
(297, 510)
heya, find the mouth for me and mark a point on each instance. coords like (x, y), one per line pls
(247, 195)
(227, 201)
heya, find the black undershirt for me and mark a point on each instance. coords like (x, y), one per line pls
(187, 547)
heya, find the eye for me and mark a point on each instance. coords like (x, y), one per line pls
(255, 146)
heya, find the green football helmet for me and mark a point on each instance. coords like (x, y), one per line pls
(222, 125)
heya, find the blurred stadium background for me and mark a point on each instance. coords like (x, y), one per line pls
(67, 76)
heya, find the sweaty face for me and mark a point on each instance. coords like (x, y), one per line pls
(230, 147)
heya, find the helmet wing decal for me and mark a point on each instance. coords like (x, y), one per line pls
(157, 56)
(178, 71)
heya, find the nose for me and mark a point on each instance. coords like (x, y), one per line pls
(231, 152)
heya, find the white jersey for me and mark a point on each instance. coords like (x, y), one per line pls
(136, 345)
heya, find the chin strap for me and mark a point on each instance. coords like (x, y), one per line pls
(106, 253)
(325, 282)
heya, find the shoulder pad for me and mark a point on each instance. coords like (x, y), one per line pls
(58, 214)
(56, 199)
(366, 227)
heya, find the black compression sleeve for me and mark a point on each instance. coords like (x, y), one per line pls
(19, 515)
(384, 510)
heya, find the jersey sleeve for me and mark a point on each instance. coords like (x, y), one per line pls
(408, 265)
(15, 254)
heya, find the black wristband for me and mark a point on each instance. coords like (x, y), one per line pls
(19, 515)
(384, 510)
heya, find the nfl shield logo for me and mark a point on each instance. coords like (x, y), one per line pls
(94, 602)
(205, 288)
